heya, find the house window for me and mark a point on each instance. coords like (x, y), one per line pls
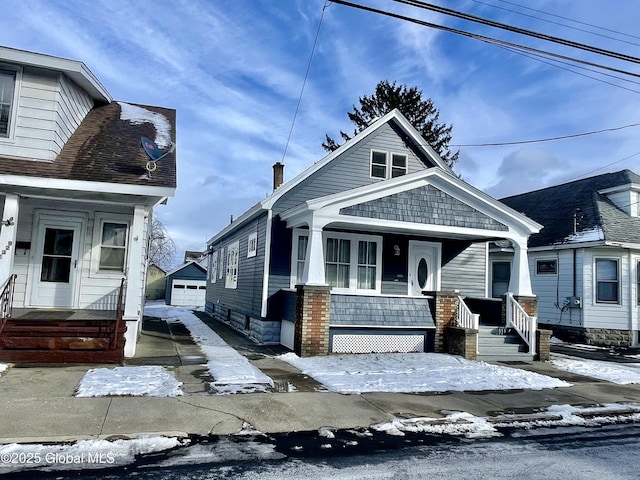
(221, 264)
(303, 240)
(232, 266)
(113, 246)
(367, 265)
(338, 262)
(7, 87)
(213, 268)
(607, 280)
(387, 165)
(500, 277)
(546, 267)
(638, 283)
(252, 245)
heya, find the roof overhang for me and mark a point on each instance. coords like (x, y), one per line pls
(74, 69)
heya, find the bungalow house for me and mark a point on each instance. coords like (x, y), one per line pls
(77, 193)
(371, 249)
(585, 262)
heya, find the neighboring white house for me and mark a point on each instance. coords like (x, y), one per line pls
(585, 262)
(76, 201)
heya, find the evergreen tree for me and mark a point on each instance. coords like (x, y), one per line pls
(420, 112)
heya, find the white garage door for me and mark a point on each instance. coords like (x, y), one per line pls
(188, 292)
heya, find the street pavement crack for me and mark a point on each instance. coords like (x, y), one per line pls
(104, 420)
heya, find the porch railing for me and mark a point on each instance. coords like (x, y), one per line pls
(6, 300)
(466, 318)
(523, 323)
(119, 314)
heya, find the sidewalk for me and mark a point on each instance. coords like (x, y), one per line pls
(38, 403)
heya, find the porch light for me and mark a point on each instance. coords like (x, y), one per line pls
(8, 223)
(503, 243)
(396, 250)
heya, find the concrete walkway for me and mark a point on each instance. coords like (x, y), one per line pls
(38, 403)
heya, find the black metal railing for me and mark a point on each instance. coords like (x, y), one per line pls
(6, 300)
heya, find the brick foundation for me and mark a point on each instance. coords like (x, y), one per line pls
(445, 312)
(462, 341)
(604, 337)
(313, 305)
(543, 345)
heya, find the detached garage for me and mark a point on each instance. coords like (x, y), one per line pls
(186, 285)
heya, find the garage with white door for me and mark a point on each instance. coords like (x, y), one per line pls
(187, 286)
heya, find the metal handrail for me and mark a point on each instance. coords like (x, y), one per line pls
(6, 300)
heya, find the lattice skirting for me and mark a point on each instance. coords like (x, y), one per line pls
(377, 343)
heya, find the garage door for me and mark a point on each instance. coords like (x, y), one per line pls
(188, 292)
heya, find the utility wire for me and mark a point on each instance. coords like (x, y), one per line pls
(551, 139)
(559, 23)
(523, 31)
(482, 38)
(304, 82)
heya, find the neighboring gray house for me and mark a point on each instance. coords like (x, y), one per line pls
(186, 285)
(356, 241)
(585, 263)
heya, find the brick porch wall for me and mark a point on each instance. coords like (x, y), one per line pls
(445, 312)
(313, 305)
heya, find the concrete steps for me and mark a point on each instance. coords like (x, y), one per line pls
(500, 344)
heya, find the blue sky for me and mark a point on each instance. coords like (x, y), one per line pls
(233, 70)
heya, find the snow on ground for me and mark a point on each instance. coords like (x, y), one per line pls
(82, 455)
(232, 372)
(415, 372)
(3, 368)
(148, 380)
(621, 373)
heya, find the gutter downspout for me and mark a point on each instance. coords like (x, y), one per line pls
(267, 262)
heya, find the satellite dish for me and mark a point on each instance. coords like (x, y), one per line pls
(155, 155)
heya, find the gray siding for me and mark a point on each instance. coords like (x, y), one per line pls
(426, 205)
(464, 268)
(189, 272)
(350, 170)
(381, 311)
(247, 297)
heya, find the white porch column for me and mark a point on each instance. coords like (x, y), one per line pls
(520, 283)
(313, 273)
(8, 235)
(136, 271)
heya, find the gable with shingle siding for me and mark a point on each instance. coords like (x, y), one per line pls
(427, 205)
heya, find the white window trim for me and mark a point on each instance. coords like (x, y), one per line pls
(388, 163)
(213, 266)
(252, 245)
(353, 269)
(233, 265)
(13, 119)
(100, 219)
(595, 280)
(221, 264)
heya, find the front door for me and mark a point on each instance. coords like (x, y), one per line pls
(53, 282)
(424, 267)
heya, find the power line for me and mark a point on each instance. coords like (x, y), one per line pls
(600, 168)
(523, 31)
(482, 38)
(551, 139)
(304, 82)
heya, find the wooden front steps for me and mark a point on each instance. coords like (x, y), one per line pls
(62, 336)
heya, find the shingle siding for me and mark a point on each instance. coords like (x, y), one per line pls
(427, 205)
(380, 311)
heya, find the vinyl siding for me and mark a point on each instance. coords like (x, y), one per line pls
(190, 272)
(247, 297)
(49, 109)
(463, 268)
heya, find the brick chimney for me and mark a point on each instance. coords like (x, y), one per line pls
(278, 175)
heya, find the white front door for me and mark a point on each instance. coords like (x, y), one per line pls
(424, 267)
(54, 274)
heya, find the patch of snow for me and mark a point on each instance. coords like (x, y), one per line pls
(620, 373)
(232, 372)
(556, 341)
(456, 423)
(415, 372)
(148, 380)
(3, 368)
(138, 115)
(590, 235)
(82, 455)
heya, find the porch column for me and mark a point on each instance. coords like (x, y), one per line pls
(8, 232)
(520, 283)
(136, 271)
(313, 273)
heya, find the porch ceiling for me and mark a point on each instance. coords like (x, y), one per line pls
(84, 196)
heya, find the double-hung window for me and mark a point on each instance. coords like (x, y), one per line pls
(213, 268)
(7, 89)
(387, 164)
(338, 262)
(607, 280)
(232, 265)
(113, 247)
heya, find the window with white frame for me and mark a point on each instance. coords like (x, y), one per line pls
(252, 245)
(500, 278)
(221, 269)
(7, 90)
(607, 280)
(110, 240)
(213, 268)
(387, 164)
(232, 265)
(638, 283)
(352, 262)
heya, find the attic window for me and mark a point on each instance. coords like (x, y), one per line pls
(7, 85)
(388, 164)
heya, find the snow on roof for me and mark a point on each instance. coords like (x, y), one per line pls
(594, 234)
(137, 115)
